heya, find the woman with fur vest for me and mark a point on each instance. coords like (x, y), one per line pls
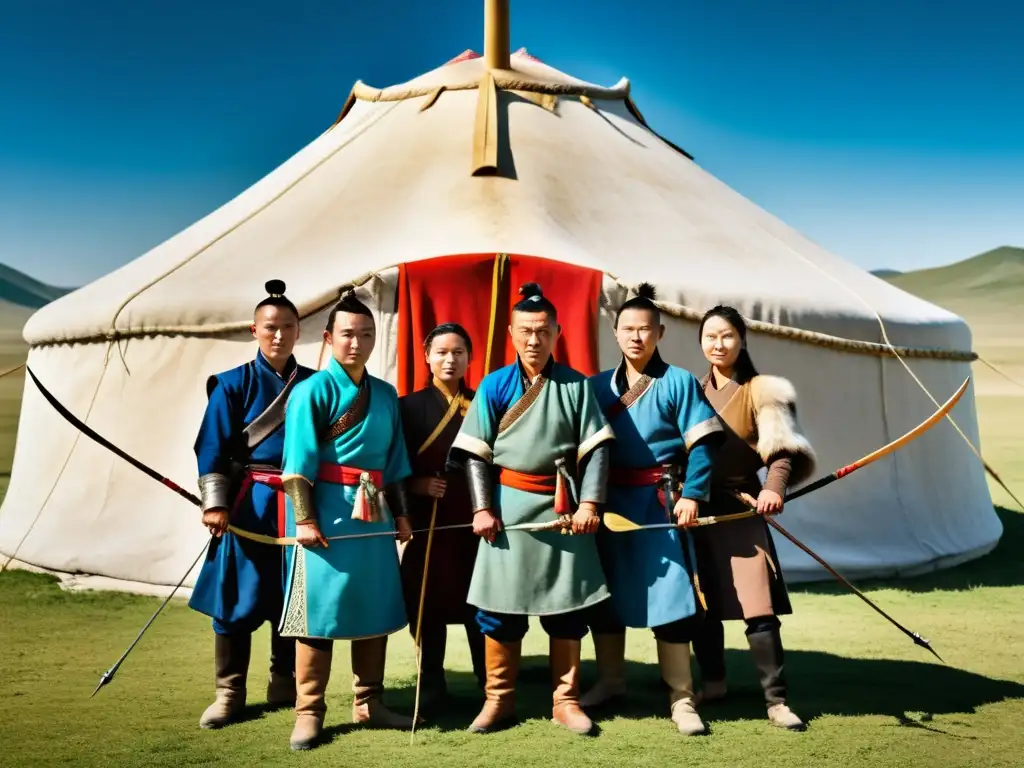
(738, 567)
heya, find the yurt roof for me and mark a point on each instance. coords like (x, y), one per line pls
(580, 178)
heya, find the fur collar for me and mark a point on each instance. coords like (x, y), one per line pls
(774, 401)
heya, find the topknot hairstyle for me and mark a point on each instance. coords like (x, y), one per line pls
(533, 300)
(644, 299)
(349, 304)
(276, 298)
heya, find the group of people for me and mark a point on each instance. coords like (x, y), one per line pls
(504, 488)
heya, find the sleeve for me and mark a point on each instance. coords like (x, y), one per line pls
(695, 416)
(594, 475)
(301, 457)
(594, 429)
(480, 426)
(702, 434)
(213, 448)
(397, 467)
(779, 470)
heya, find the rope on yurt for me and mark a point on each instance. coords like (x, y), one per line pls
(64, 466)
(1002, 373)
(12, 370)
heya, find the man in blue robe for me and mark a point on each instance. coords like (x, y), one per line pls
(239, 448)
(665, 429)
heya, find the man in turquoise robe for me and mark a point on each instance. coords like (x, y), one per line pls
(344, 457)
(532, 430)
(664, 428)
(238, 451)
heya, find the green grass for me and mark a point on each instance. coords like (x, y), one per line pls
(872, 698)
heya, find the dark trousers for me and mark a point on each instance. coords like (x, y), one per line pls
(709, 643)
(511, 628)
(603, 620)
(433, 645)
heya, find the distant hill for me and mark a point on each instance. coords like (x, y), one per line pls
(989, 282)
(885, 273)
(23, 291)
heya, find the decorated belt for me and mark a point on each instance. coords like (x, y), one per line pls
(336, 473)
(265, 474)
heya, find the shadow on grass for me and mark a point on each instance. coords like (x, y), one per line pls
(1002, 567)
(820, 684)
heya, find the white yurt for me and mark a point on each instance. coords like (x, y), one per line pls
(437, 198)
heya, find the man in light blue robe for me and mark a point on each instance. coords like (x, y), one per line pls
(664, 428)
(345, 463)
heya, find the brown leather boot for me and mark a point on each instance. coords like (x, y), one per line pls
(312, 672)
(674, 660)
(231, 664)
(368, 658)
(281, 685)
(610, 651)
(502, 662)
(565, 674)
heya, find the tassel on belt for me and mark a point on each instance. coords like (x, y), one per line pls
(545, 484)
(369, 500)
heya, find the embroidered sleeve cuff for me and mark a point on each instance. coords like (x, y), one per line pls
(602, 435)
(214, 490)
(698, 432)
(300, 491)
(473, 445)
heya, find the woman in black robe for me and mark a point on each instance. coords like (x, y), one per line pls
(431, 419)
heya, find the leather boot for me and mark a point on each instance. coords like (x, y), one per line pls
(610, 652)
(281, 685)
(766, 647)
(312, 672)
(368, 658)
(231, 664)
(499, 710)
(476, 653)
(565, 675)
(674, 660)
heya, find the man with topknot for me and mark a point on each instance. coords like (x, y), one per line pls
(666, 434)
(534, 445)
(239, 448)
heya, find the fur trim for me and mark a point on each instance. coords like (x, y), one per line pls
(774, 401)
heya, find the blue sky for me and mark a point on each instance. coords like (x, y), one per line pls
(890, 132)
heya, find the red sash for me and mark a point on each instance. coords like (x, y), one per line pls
(547, 484)
(269, 477)
(336, 473)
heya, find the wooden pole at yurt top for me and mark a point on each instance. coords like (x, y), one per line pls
(496, 34)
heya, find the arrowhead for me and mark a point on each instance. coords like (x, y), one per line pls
(918, 640)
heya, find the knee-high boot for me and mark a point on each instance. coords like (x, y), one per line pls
(565, 673)
(674, 660)
(231, 665)
(766, 647)
(312, 673)
(709, 650)
(499, 708)
(610, 655)
(281, 685)
(368, 658)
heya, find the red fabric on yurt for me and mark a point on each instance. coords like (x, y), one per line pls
(449, 289)
(457, 289)
(575, 292)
